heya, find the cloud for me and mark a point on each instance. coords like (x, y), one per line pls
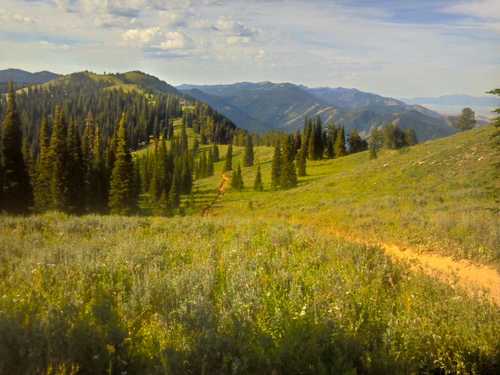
(16, 18)
(487, 9)
(229, 26)
(175, 40)
(141, 37)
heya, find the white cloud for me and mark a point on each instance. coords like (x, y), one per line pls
(488, 9)
(231, 27)
(16, 18)
(141, 37)
(175, 40)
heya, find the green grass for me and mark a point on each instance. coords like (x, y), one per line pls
(95, 295)
(438, 196)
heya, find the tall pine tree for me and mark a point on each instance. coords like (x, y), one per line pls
(121, 195)
(258, 185)
(249, 155)
(228, 166)
(17, 191)
(43, 172)
(340, 149)
(58, 155)
(276, 167)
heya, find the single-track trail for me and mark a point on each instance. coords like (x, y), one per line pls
(220, 192)
(471, 277)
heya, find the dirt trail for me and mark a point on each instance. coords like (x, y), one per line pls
(472, 278)
(220, 192)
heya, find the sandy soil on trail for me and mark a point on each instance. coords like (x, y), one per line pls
(473, 278)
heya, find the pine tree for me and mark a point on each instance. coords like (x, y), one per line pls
(237, 179)
(17, 192)
(121, 194)
(375, 142)
(356, 143)
(173, 194)
(301, 162)
(98, 176)
(276, 167)
(75, 170)
(340, 143)
(215, 152)
(58, 155)
(43, 170)
(410, 137)
(258, 185)
(288, 176)
(229, 159)
(249, 155)
(330, 140)
(210, 164)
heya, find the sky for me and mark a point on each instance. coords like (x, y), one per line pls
(399, 48)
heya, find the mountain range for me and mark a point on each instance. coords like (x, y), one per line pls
(267, 106)
(23, 78)
(284, 106)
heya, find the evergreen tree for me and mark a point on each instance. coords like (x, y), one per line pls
(237, 179)
(301, 162)
(248, 156)
(215, 152)
(229, 158)
(98, 176)
(467, 120)
(288, 176)
(375, 142)
(58, 156)
(356, 143)
(75, 171)
(17, 192)
(340, 143)
(210, 164)
(276, 167)
(173, 195)
(121, 194)
(330, 140)
(43, 170)
(184, 139)
(410, 137)
(258, 185)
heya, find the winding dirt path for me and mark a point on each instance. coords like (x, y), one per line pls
(475, 279)
(220, 192)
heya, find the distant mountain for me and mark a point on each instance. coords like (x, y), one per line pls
(284, 106)
(23, 78)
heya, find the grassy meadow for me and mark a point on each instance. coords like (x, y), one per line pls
(256, 287)
(219, 295)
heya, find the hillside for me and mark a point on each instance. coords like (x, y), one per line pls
(285, 106)
(438, 196)
(151, 106)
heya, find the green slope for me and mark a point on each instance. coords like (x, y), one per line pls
(437, 196)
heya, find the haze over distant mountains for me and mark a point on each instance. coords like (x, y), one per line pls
(453, 104)
(284, 106)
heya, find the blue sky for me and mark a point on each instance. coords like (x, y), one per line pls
(399, 48)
